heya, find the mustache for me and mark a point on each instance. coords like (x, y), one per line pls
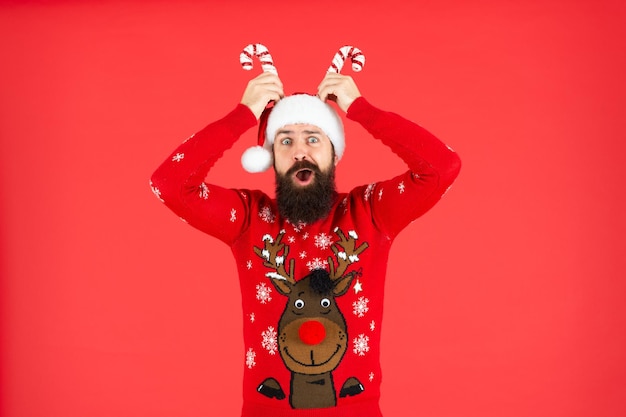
(298, 165)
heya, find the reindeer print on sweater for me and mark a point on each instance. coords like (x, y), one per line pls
(312, 332)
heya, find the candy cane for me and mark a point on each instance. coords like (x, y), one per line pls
(345, 52)
(261, 52)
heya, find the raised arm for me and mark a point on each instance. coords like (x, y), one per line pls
(433, 166)
(179, 180)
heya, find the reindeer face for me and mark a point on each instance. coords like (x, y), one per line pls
(312, 331)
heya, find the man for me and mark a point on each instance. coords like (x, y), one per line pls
(312, 261)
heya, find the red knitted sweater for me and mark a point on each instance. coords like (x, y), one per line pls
(312, 294)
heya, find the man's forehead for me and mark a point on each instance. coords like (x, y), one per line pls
(299, 128)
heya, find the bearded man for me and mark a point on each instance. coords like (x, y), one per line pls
(312, 261)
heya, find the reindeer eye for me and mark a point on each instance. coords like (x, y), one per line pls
(299, 304)
(325, 302)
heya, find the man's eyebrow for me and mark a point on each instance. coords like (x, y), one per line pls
(291, 132)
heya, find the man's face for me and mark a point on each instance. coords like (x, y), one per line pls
(302, 142)
(304, 161)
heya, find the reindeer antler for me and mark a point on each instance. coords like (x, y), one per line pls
(346, 257)
(275, 261)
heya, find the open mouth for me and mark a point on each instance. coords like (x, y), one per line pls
(304, 176)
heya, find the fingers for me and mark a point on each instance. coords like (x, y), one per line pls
(268, 79)
(261, 90)
(339, 88)
(268, 87)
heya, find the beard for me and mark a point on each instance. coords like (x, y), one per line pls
(309, 203)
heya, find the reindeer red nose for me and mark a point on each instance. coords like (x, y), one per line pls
(312, 332)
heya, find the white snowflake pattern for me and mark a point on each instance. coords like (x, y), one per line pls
(302, 254)
(204, 191)
(368, 191)
(270, 341)
(371, 376)
(249, 264)
(291, 239)
(178, 157)
(359, 307)
(263, 293)
(233, 215)
(244, 195)
(361, 345)
(266, 215)
(372, 325)
(323, 241)
(416, 176)
(297, 227)
(317, 263)
(401, 187)
(156, 191)
(252, 317)
(250, 358)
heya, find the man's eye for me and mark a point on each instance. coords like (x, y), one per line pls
(313, 139)
(286, 141)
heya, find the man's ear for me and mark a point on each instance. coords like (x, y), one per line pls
(336, 160)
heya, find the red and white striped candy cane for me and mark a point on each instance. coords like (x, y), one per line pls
(261, 52)
(345, 52)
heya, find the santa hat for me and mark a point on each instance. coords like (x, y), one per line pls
(298, 108)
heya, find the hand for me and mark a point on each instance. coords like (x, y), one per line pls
(260, 91)
(338, 88)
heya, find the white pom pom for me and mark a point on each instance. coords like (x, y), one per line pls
(256, 159)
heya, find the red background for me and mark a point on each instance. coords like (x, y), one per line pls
(507, 299)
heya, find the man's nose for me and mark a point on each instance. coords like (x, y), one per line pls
(300, 151)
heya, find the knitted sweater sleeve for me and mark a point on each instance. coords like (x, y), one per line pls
(433, 166)
(179, 182)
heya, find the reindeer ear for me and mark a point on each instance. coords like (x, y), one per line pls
(343, 284)
(281, 285)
